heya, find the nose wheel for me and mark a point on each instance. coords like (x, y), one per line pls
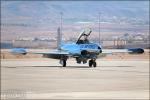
(92, 62)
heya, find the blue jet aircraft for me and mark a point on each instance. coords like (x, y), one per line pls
(83, 50)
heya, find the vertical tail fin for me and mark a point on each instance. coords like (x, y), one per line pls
(59, 37)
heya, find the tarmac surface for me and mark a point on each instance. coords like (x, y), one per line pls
(43, 78)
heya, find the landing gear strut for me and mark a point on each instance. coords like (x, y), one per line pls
(63, 61)
(92, 63)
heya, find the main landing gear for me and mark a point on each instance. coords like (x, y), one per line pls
(63, 61)
(92, 62)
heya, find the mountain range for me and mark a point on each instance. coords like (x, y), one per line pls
(44, 16)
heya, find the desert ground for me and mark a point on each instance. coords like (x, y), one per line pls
(116, 77)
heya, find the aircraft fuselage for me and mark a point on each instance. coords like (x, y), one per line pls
(76, 49)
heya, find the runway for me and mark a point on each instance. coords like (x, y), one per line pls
(46, 79)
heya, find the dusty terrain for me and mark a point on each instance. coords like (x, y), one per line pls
(34, 78)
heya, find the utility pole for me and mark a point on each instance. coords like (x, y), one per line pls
(61, 14)
(99, 27)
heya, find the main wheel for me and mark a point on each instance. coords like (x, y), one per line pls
(64, 63)
(90, 63)
(94, 64)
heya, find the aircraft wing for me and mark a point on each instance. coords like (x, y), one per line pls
(130, 51)
(56, 54)
(59, 52)
(110, 51)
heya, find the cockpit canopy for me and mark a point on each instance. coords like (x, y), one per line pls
(83, 37)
